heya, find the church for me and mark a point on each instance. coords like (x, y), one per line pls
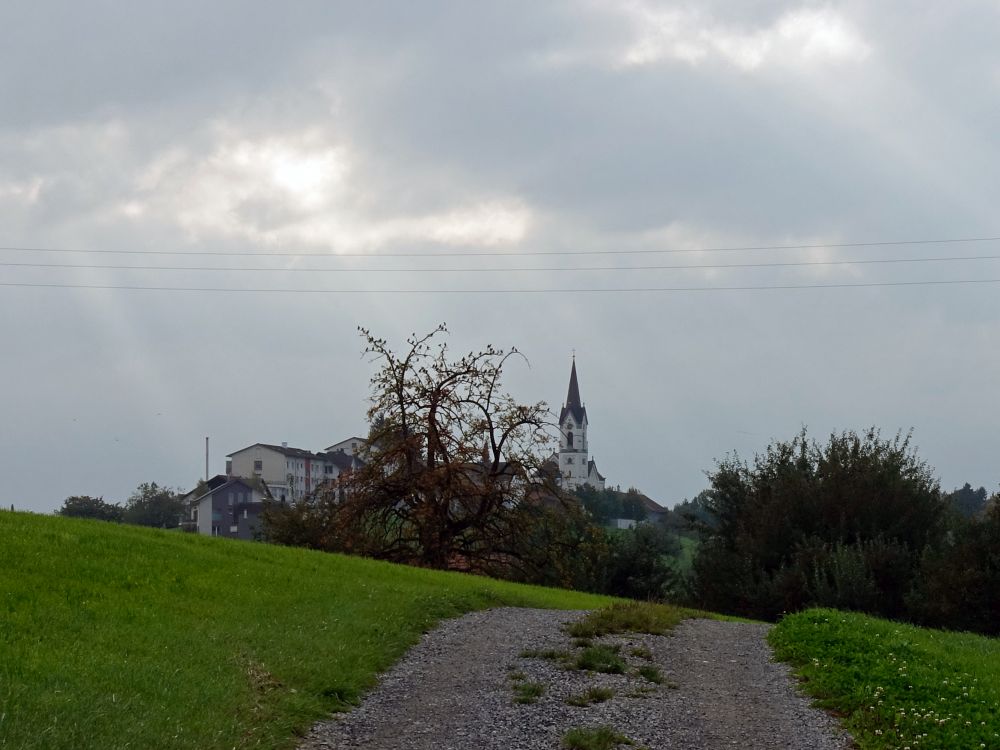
(575, 467)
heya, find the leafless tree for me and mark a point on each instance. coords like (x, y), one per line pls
(451, 462)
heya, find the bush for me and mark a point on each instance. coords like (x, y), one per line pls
(843, 524)
(959, 583)
(84, 506)
(640, 566)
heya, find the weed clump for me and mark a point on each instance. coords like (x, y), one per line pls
(601, 738)
(628, 617)
(601, 658)
(651, 673)
(551, 654)
(528, 692)
(591, 696)
(641, 652)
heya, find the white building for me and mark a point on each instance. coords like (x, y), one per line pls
(290, 473)
(352, 446)
(575, 467)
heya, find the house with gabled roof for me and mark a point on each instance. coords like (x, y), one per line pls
(226, 506)
(353, 446)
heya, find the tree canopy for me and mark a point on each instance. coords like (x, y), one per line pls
(153, 505)
(452, 470)
(841, 524)
(85, 506)
(608, 504)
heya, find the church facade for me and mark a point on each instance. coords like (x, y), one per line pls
(576, 468)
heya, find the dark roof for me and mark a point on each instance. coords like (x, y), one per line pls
(646, 501)
(339, 459)
(592, 467)
(212, 489)
(217, 481)
(651, 505)
(291, 452)
(573, 403)
(354, 439)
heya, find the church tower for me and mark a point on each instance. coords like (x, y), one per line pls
(575, 469)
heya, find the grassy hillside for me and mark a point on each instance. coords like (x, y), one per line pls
(115, 637)
(685, 557)
(897, 686)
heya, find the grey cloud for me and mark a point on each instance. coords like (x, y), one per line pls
(444, 107)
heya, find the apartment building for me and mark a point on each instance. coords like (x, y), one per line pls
(293, 473)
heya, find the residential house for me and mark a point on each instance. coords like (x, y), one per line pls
(226, 506)
(353, 446)
(293, 473)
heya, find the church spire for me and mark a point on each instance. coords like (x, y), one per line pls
(574, 404)
(575, 470)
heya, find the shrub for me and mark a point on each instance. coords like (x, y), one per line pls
(842, 524)
(959, 583)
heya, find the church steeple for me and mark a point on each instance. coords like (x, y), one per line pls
(575, 469)
(574, 404)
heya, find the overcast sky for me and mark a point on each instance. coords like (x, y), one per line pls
(499, 136)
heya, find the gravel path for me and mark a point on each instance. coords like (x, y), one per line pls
(454, 691)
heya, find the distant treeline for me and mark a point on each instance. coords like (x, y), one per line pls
(150, 505)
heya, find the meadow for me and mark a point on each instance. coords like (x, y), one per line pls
(895, 685)
(125, 637)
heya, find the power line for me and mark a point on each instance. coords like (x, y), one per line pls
(518, 253)
(594, 290)
(702, 266)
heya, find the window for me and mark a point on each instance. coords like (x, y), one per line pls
(569, 460)
(258, 466)
(230, 499)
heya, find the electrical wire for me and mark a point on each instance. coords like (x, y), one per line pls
(594, 290)
(703, 266)
(517, 253)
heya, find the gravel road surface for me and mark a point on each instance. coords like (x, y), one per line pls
(455, 691)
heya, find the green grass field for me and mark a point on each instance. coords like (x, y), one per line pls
(685, 558)
(897, 686)
(123, 637)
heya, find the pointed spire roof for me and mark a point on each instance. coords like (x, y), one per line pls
(574, 404)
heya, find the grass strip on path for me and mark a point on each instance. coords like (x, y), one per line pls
(599, 738)
(632, 617)
(124, 637)
(896, 685)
